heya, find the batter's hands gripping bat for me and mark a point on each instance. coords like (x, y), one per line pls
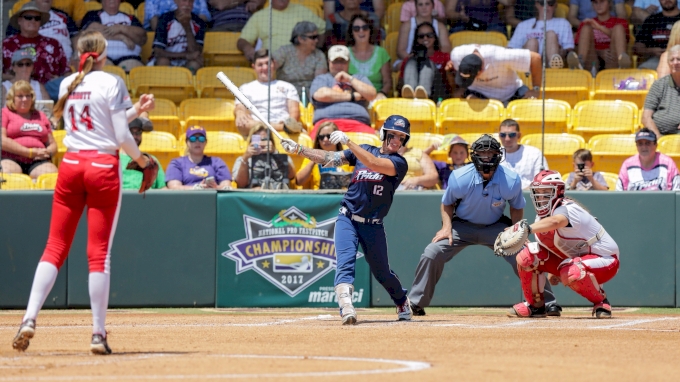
(246, 102)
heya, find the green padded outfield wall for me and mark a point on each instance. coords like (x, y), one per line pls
(277, 250)
(643, 224)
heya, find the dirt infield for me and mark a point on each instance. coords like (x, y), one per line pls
(310, 344)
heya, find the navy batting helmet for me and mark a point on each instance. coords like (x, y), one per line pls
(397, 123)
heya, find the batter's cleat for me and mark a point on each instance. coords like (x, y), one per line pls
(99, 345)
(417, 311)
(24, 335)
(404, 312)
(524, 310)
(602, 310)
(349, 315)
(554, 310)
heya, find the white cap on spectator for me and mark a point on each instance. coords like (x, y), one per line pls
(338, 51)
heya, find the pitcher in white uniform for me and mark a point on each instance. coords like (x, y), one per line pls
(572, 244)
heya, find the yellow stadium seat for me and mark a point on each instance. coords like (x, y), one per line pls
(164, 117)
(422, 141)
(209, 86)
(611, 179)
(421, 113)
(225, 145)
(364, 138)
(219, 49)
(390, 45)
(392, 21)
(307, 116)
(118, 71)
(610, 150)
(529, 114)
(147, 49)
(61, 149)
(608, 81)
(160, 144)
(46, 181)
(603, 117)
(473, 37)
(558, 150)
(139, 12)
(470, 116)
(173, 83)
(15, 182)
(311, 4)
(163, 107)
(470, 138)
(562, 11)
(670, 145)
(572, 86)
(214, 114)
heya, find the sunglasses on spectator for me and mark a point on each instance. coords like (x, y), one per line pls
(23, 64)
(428, 35)
(324, 136)
(511, 135)
(392, 136)
(31, 18)
(313, 37)
(195, 138)
(364, 27)
(550, 3)
(23, 96)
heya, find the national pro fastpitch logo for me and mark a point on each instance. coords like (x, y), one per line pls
(291, 251)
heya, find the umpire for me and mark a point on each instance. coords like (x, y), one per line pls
(477, 194)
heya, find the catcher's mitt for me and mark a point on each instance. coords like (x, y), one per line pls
(149, 172)
(510, 241)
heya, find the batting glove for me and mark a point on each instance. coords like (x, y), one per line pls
(290, 146)
(339, 137)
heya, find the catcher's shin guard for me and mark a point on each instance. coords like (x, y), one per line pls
(524, 310)
(344, 293)
(575, 275)
(532, 280)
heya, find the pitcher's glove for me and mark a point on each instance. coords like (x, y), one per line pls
(512, 239)
(149, 172)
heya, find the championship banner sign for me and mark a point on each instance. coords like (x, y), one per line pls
(277, 250)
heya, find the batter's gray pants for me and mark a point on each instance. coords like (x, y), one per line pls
(437, 254)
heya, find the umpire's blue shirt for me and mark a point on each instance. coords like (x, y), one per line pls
(479, 204)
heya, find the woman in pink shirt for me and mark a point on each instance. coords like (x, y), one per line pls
(27, 141)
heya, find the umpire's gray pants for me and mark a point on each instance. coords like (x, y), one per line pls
(437, 254)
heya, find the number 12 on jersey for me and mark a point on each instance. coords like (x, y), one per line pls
(377, 190)
(84, 118)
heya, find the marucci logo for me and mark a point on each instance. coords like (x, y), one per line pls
(327, 294)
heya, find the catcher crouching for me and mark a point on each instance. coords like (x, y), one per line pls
(571, 244)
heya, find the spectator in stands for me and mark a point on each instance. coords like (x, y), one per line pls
(601, 39)
(489, 71)
(653, 35)
(408, 30)
(154, 9)
(458, 153)
(59, 27)
(580, 10)
(408, 10)
(583, 178)
(374, 6)
(643, 9)
(179, 38)
(197, 171)
(421, 174)
(23, 61)
(251, 175)
(520, 11)
(284, 106)
(310, 171)
(422, 74)
(132, 179)
(301, 60)
(51, 62)
(284, 18)
(75, 9)
(475, 15)
(525, 160)
(663, 69)
(367, 58)
(559, 39)
(340, 97)
(338, 29)
(124, 34)
(27, 141)
(661, 114)
(649, 170)
(232, 15)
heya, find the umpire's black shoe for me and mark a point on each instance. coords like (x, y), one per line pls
(99, 345)
(553, 310)
(417, 311)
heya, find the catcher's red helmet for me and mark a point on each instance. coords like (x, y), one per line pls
(547, 191)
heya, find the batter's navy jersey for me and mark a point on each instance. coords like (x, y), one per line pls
(370, 193)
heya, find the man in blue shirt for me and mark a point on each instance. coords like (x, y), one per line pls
(472, 213)
(378, 172)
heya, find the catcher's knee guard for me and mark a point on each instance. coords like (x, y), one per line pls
(532, 281)
(575, 275)
(344, 293)
(527, 258)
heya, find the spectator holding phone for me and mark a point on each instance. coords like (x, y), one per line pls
(259, 142)
(583, 178)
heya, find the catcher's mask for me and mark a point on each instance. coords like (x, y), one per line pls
(547, 191)
(486, 143)
(397, 123)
